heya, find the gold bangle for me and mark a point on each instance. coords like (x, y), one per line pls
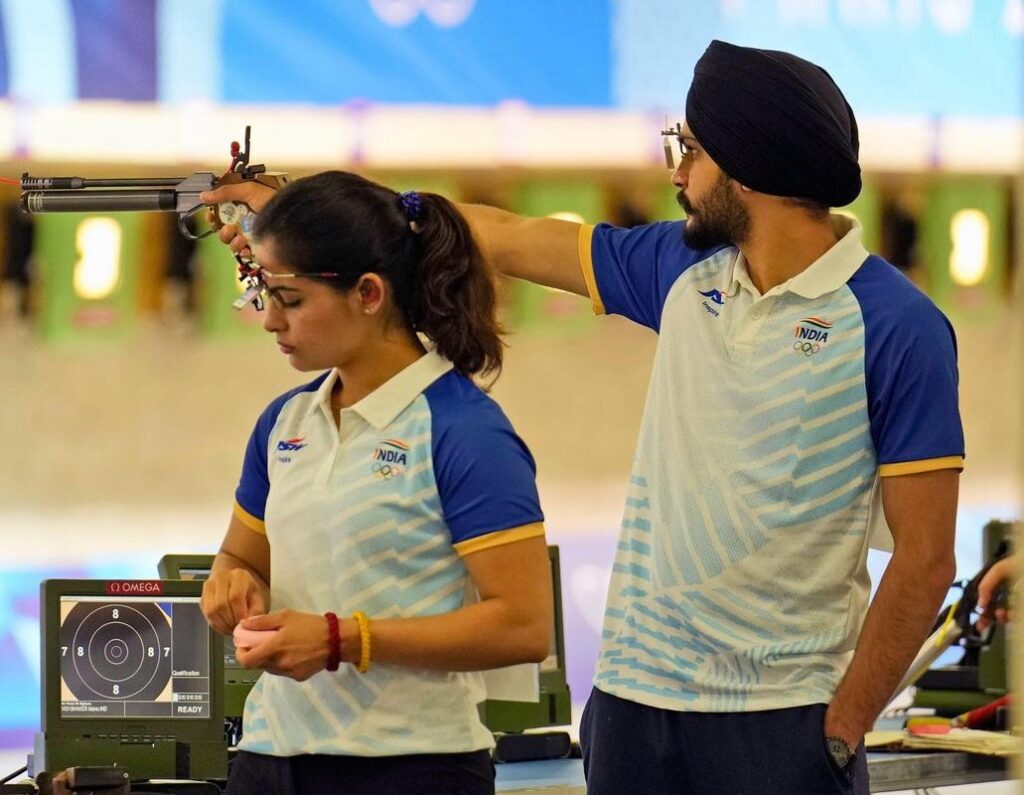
(364, 641)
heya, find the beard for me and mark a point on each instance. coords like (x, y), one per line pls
(719, 220)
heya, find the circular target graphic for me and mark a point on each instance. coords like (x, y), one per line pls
(115, 652)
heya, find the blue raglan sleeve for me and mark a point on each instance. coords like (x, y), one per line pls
(486, 477)
(912, 380)
(629, 272)
(254, 483)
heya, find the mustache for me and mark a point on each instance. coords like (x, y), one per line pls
(683, 202)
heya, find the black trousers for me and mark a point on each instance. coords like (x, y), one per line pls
(321, 774)
(639, 750)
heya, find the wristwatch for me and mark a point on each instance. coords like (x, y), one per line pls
(840, 751)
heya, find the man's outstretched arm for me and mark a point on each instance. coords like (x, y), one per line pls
(540, 250)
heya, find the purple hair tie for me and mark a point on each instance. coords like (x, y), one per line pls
(411, 205)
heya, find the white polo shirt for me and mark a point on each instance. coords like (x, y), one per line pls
(375, 516)
(740, 580)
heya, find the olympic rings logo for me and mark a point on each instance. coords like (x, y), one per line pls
(806, 348)
(385, 471)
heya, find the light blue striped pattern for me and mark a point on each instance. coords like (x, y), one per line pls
(764, 463)
(390, 539)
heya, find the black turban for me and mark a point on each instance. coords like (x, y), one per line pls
(776, 123)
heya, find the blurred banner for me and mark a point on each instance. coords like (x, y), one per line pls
(930, 58)
(892, 57)
(466, 52)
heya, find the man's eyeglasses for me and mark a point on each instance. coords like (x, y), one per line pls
(256, 289)
(666, 138)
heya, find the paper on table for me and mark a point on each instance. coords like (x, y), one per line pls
(972, 741)
(884, 739)
(514, 683)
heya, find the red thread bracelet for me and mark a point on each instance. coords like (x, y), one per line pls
(333, 642)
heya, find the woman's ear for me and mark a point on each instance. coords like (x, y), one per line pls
(370, 291)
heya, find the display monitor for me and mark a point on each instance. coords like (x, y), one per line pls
(132, 676)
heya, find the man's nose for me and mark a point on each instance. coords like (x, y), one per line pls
(681, 176)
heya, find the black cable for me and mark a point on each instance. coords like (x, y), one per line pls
(16, 773)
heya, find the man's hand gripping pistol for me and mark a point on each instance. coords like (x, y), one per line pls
(160, 194)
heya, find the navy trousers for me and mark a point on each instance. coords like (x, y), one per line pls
(321, 774)
(633, 749)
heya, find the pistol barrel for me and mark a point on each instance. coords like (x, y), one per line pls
(93, 201)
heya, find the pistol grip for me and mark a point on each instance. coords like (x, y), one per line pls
(237, 213)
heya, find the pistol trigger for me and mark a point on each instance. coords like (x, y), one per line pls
(186, 230)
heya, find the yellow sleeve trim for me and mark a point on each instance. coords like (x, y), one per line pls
(250, 521)
(499, 538)
(587, 266)
(916, 467)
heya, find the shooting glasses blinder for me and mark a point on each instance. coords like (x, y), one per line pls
(666, 139)
(257, 291)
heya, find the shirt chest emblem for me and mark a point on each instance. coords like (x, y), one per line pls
(714, 299)
(390, 458)
(285, 447)
(811, 335)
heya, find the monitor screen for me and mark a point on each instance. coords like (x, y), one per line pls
(193, 573)
(134, 657)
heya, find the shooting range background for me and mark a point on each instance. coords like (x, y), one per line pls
(124, 417)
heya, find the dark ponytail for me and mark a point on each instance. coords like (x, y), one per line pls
(418, 242)
(456, 297)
